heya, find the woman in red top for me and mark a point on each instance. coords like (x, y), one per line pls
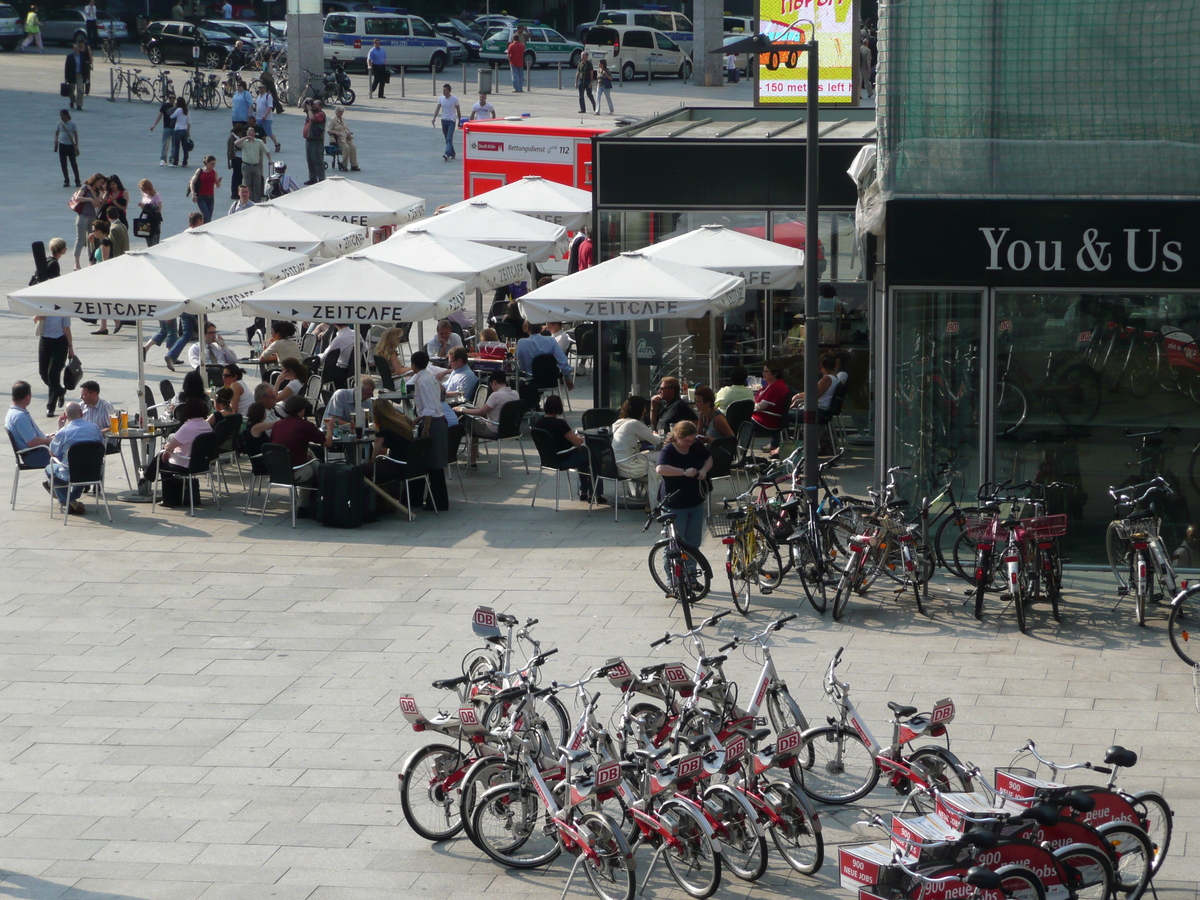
(770, 402)
(203, 187)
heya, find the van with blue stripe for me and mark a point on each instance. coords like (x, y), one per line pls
(408, 40)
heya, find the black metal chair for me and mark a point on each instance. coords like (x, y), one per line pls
(505, 331)
(723, 451)
(744, 450)
(167, 390)
(414, 467)
(602, 463)
(585, 346)
(85, 468)
(547, 378)
(384, 370)
(599, 417)
(281, 473)
(22, 465)
(205, 448)
(508, 428)
(550, 458)
(227, 430)
(739, 411)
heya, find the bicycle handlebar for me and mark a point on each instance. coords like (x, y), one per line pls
(711, 620)
(1031, 747)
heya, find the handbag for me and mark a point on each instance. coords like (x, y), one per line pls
(64, 89)
(72, 373)
(142, 227)
(76, 203)
(189, 144)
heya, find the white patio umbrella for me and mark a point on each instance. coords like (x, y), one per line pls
(355, 202)
(270, 264)
(547, 200)
(357, 289)
(633, 287)
(479, 266)
(765, 265)
(290, 230)
(477, 220)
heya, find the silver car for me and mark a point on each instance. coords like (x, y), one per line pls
(65, 26)
(12, 31)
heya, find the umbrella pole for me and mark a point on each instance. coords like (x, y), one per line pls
(633, 356)
(358, 406)
(713, 361)
(141, 340)
(479, 323)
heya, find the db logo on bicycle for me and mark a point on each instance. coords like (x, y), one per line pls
(485, 617)
(408, 706)
(1005, 325)
(951, 328)
(467, 716)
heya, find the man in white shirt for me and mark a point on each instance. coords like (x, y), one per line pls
(440, 345)
(483, 110)
(96, 410)
(486, 419)
(342, 346)
(227, 10)
(559, 334)
(215, 351)
(450, 112)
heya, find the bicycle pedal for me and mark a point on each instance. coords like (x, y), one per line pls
(1121, 592)
(766, 591)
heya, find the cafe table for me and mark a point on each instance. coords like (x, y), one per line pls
(142, 441)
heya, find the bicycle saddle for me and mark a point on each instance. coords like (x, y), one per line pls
(755, 734)
(713, 660)
(984, 879)
(650, 755)
(668, 517)
(446, 684)
(1117, 755)
(574, 756)
(507, 694)
(898, 504)
(695, 742)
(792, 504)
(1079, 801)
(984, 840)
(1043, 813)
(653, 670)
(505, 619)
(901, 710)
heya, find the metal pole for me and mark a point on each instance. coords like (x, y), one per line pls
(812, 337)
(464, 75)
(633, 356)
(713, 351)
(529, 79)
(479, 322)
(142, 376)
(402, 81)
(358, 405)
(560, 74)
(433, 80)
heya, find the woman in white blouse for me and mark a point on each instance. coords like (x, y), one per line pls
(629, 432)
(431, 423)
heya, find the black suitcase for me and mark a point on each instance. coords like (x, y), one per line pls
(345, 498)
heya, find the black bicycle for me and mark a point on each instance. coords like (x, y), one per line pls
(675, 565)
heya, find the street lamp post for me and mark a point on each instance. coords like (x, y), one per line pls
(812, 325)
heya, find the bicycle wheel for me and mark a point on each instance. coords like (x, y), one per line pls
(113, 52)
(611, 873)
(514, 827)
(662, 568)
(1119, 551)
(1077, 397)
(1019, 883)
(692, 861)
(839, 766)
(737, 567)
(812, 578)
(1135, 857)
(743, 845)
(1052, 574)
(549, 717)
(1157, 820)
(945, 772)
(482, 775)
(1011, 407)
(841, 597)
(142, 89)
(784, 712)
(1091, 871)
(1185, 609)
(954, 549)
(1140, 579)
(796, 837)
(841, 528)
(430, 807)
(768, 564)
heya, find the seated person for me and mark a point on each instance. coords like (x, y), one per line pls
(559, 334)
(440, 345)
(256, 430)
(710, 422)
(193, 389)
(283, 345)
(770, 403)
(540, 343)
(389, 348)
(177, 454)
(24, 430)
(224, 406)
(460, 378)
(343, 403)
(668, 406)
(341, 350)
(293, 375)
(96, 410)
(565, 438)
(266, 395)
(234, 378)
(737, 389)
(76, 431)
(485, 419)
(215, 352)
(629, 432)
(490, 344)
(295, 433)
(825, 387)
(394, 431)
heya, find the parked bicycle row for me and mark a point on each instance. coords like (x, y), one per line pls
(1006, 544)
(682, 767)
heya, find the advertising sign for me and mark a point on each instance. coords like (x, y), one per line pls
(782, 78)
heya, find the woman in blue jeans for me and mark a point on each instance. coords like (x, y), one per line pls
(683, 465)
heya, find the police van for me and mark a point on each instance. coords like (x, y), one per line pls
(675, 25)
(407, 40)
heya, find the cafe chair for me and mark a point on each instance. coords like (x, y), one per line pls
(739, 411)
(454, 439)
(384, 370)
(509, 427)
(414, 467)
(584, 347)
(281, 473)
(599, 417)
(85, 468)
(602, 463)
(723, 450)
(551, 459)
(308, 343)
(205, 448)
(154, 410)
(481, 394)
(168, 392)
(547, 378)
(505, 331)
(227, 429)
(312, 388)
(744, 450)
(258, 470)
(22, 465)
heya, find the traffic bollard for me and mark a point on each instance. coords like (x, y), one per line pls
(402, 81)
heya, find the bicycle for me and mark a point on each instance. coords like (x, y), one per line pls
(671, 559)
(876, 550)
(1185, 609)
(843, 761)
(111, 48)
(203, 92)
(134, 83)
(1135, 547)
(164, 88)
(751, 555)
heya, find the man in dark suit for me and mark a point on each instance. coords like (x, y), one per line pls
(77, 72)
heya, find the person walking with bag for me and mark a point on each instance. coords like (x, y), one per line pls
(33, 30)
(84, 205)
(584, 75)
(203, 187)
(151, 205)
(66, 145)
(603, 87)
(55, 347)
(77, 72)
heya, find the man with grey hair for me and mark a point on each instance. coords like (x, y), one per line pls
(77, 430)
(268, 397)
(440, 345)
(343, 403)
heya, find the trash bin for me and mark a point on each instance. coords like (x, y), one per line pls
(485, 81)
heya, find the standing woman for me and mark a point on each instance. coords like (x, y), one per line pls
(66, 144)
(181, 124)
(431, 423)
(56, 345)
(85, 206)
(151, 206)
(119, 197)
(684, 464)
(604, 86)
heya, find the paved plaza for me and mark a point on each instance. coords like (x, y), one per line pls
(207, 707)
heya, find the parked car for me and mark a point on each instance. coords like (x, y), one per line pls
(171, 40)
(408, 40)
(349, 6)
(484, 24)
(65, 26)
(545, 47)
(675, 25)
(636, 50)
(12, 28)
(457, 29)
(252, 34)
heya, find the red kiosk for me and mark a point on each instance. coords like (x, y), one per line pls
(499, 151)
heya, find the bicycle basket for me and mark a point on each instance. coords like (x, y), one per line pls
(722, 526)
(1127, 528)
(1045, 527)
(985, 528)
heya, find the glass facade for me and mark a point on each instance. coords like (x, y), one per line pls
(1090, 390)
